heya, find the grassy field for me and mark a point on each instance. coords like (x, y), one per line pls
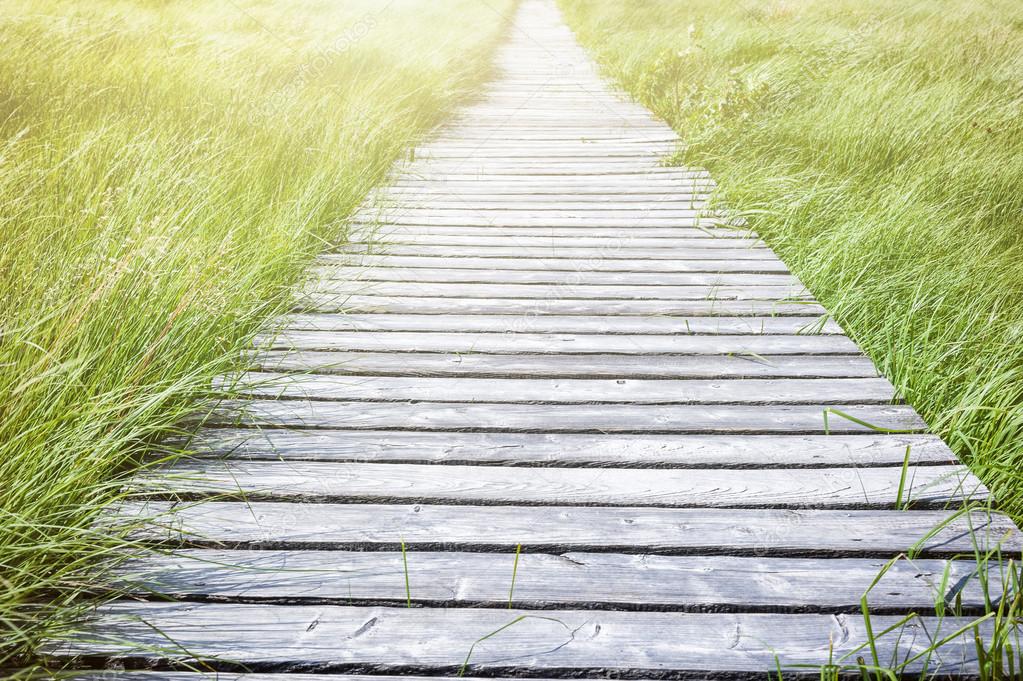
(878, 147)
(167, 169)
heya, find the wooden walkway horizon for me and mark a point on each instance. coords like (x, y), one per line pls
(544, 393)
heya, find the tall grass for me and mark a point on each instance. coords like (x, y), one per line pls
(878, 147)
(167, 169)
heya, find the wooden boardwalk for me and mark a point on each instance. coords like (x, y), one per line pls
(538, 339)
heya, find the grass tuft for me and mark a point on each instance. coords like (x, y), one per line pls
(878, 148)
(167, 172)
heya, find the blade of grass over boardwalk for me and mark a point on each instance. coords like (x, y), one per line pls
(167, 171)
(878, 149)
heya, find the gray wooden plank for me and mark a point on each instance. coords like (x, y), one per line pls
(380, 639)
(618, 266)
(557, 306)
(628, 219)
(123, 675)
(571, 449)
(561, 391)
(568, 580)
(652, 530)
(713, 265)
(434, 171)
(386, 237)
(557, 343)
(320, 291)
(626, 418)
(568, 366)
(924, 487)
(655, 236)
(440, 204)
(650, 151)
(561, 278)
(561, 324)
(620, 189)
(624, 252)
(486, 197)
(663, 234)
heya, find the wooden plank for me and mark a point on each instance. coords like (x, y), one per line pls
(558, 343)
(924, 487)
(561, 278)
(528, 307)
(619, 187)
(326, 290)
(561, 324)
(567, 252)
(561, 391)
(119, 675)
(571, 449)
(563, 418)
(568, 366)
(689, 531)
(662, 235)
(569, 580)
(386, 237)
(333, 293)
(712, 265)
(380, 639)
(454, 151)
(530, 168)
(406, 216)
(486, 197)
(610, 205)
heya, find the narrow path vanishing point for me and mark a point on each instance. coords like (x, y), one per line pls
(535, 339)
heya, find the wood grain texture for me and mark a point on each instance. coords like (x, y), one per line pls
(380, 639)
(559, 343)
(572, 449)
(562, 391)
(528, 307)
(567, 418)
(566, 366)
(327, 290)
(711, 265)
(927, 487)
(731, 531)
(571, 579)
(604, 325)
(614, 252)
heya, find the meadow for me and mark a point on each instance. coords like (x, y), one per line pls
(878, 148)
(167, 171)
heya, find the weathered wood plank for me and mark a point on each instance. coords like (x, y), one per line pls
(561, 324)
(713, 265)
(925, 487)
(623, 252)
(663, 234)
(561, 278)
(381, 230)
(561, 391)
(732, 531)
(568, 366)
(563, 418)
(555, 343)
(628, 219)
(319, 292)
(379, 639)
(386, 238)
(571, 449)
(568, 580)
(534, 307)
(118, 675)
